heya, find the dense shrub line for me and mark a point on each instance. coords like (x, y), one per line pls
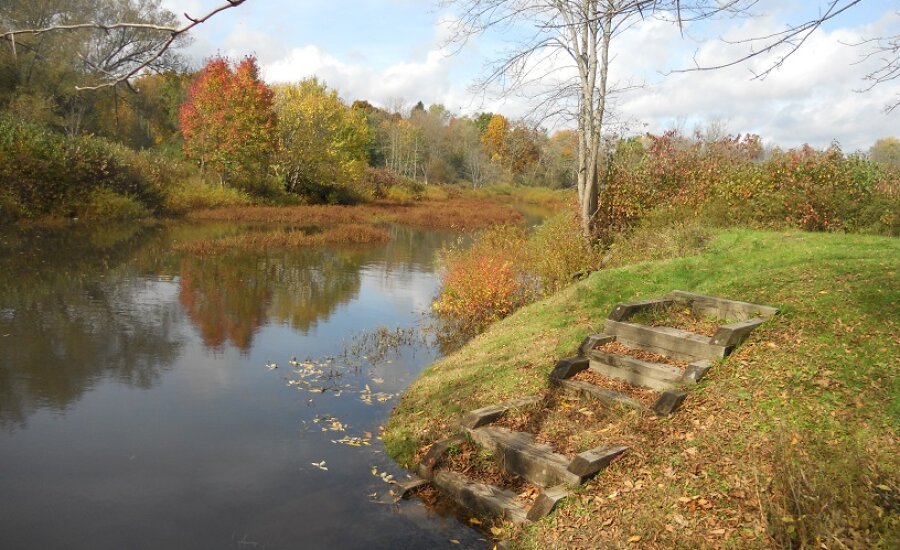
(733, 181)
(43, 172)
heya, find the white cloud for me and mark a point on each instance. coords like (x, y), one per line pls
(812, 98)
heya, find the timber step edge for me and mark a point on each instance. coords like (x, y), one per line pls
(669, 341)
(657, 376)
(491, 413)
(480, 498)
(607, 397)
(722, 308)
(519, 454)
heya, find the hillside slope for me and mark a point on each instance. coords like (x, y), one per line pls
(790, 441)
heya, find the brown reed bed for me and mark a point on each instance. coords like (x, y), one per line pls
(461, 213)
(351, 233)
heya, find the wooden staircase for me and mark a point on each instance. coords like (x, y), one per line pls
(554, 473)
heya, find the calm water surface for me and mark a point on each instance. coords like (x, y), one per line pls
(137, 409)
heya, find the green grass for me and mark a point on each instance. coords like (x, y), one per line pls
(790, 442)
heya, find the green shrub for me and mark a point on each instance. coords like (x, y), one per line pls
(196, 194)
(52, 174)
(10, 209)
(401, 194)
(435, 193)
(557, 252)
(107, 205)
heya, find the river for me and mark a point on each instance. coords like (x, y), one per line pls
(141, 405)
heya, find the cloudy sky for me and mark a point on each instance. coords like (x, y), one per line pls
(394, 52)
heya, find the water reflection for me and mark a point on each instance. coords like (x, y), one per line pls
(72, 313)
(133, 391)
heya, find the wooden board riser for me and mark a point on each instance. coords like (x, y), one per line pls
(721, 308)
(607, 397)
(483, 500)
(518, 454)
(669, 341)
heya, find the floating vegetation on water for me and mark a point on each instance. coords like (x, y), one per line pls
(353, 441)
(320, 465)
(386, 477)
(329, 422)
(376, 345)
(367, 397)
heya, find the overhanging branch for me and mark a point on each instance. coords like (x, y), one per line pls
(173, 34)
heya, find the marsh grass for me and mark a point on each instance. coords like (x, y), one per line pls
(341, 234)
(449, 214)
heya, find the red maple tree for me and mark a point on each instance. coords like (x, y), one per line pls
(228, 120)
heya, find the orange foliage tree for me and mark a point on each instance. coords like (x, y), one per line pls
(228, 120)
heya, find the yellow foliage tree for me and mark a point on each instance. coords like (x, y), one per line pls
(322, 142)
(494, 139)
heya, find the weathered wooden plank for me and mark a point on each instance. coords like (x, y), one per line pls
(405, 488)
(592, 341)
(519, 454)
(568, 367)
(669, 402)
(546, 502)
(607, 397)
(656, 376)
(482, 499)
(623, 311)
(434, 454)
(696, 371)
(673, 342)
(486, 415)
(588, 463)
(735, 333)
(722, 308)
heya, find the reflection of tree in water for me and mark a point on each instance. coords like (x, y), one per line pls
(230, 296)
(313, 283)
(71, 314)
(225, 297)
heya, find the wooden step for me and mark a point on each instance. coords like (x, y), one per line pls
(732, 335)
(519, 454)
(656, 376)
(624, 310)
(590, 391)
(480, 498)
(713, 306)
(672, 342)
(486, 415)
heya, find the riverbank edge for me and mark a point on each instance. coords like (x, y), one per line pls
(765, 417)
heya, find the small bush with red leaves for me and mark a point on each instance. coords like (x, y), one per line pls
(485, 282)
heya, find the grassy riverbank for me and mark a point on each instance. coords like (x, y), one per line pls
(792, 440)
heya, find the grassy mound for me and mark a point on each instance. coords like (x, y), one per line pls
(791, 441)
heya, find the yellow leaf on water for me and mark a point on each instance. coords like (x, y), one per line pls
(454, 541)
(496, 531)
(475, 521)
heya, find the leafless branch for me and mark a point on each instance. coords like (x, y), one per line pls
(173, 33)
(791, 38)
(886, 50)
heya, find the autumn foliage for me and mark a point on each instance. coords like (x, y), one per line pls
(733, 181)
(228, 121)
